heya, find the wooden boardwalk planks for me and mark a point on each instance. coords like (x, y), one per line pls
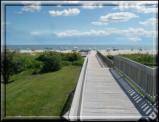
(102, 97)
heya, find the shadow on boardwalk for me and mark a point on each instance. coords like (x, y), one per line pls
(145, 107)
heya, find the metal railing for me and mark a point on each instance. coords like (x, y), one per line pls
(143, 76)
(105, 59)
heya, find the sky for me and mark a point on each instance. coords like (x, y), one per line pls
(88, 23)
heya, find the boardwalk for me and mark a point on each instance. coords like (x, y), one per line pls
(101, 96)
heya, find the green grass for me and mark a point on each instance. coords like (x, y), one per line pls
(146, 59)
(40, 95)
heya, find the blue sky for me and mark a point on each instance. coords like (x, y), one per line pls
(85, 24)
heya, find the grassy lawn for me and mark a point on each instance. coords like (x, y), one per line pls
(146, 59)
(40, 95)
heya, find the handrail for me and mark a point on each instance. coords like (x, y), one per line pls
(105, 59)
(143, 76)
(75, 106)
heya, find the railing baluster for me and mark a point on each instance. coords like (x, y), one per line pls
(144, 77)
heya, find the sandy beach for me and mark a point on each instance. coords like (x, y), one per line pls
(40, 51)
(116, 52)
(104, 52)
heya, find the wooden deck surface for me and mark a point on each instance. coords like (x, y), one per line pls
(102, 97)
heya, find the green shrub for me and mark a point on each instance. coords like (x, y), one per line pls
(78, 62)
(37, 67)
(51, 62)
(42, 62)
(18, 66)
(74, 56)
(23, 62)
(71, 56)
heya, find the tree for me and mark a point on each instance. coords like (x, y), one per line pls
(8, 66)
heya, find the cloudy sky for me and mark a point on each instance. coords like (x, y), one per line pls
(86, 23)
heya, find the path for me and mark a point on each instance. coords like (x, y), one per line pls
(102, 98)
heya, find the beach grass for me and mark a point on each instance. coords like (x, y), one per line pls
(146, 59)
(41, 94)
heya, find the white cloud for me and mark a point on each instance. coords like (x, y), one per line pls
(92, 5)
(149, 22)
(130, 33)
(115, 17)
(137, 32)
(41, 32)
(30, 6)
(65, 12)
(71, 33)
(134, 39)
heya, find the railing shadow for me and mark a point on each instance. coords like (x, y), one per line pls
(67, 105)
(142, 104)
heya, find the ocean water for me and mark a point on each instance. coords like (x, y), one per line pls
(71, 47)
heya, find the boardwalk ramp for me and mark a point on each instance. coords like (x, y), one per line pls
(98, 96)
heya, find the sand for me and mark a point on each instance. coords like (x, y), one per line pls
(111, 52)
(104, 52)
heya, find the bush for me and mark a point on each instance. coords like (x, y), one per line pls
(23, 62)
(40, 63)
(18, 66)
(71, 56)
(51, 62)
(37, 67)
(78, 62)
(74, 56)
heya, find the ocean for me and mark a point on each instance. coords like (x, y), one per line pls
(80, 47)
